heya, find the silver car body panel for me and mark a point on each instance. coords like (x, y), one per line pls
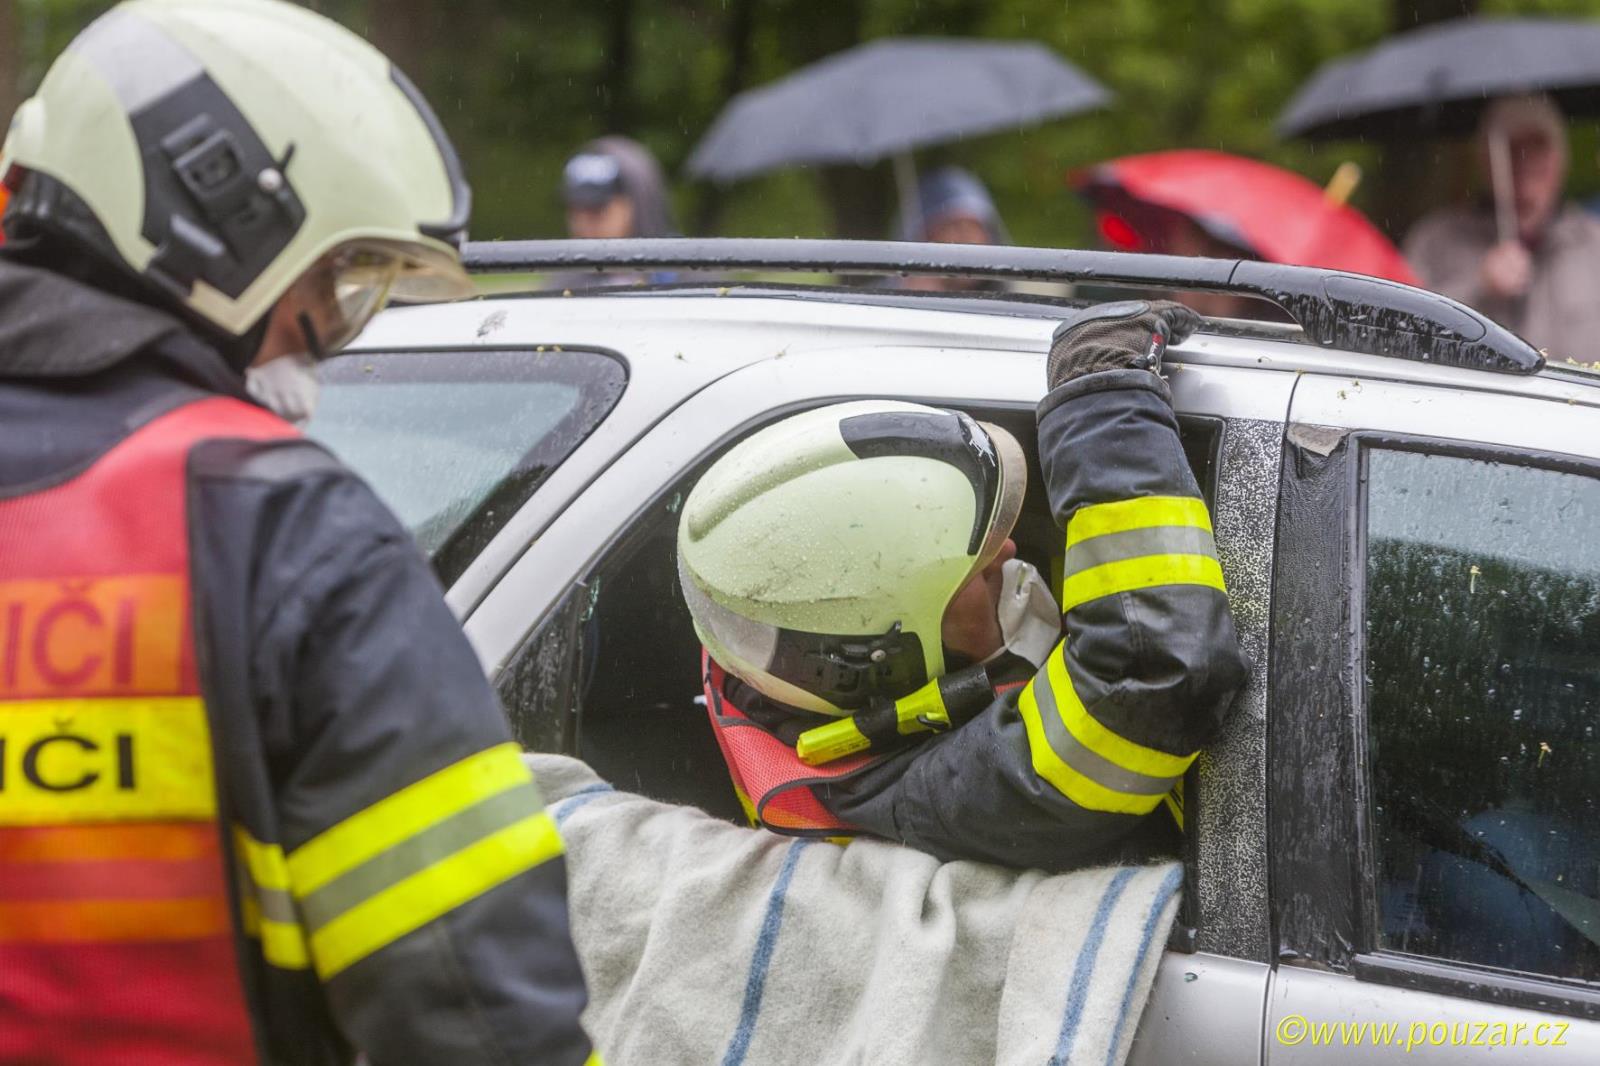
(704, 368)
(1426, 1026)
(1529, 422)
(1204, 1010)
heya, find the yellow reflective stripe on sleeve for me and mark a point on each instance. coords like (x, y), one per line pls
(267, 908)
(1112, 773)
(1139, 513)
(1145, 572)
(418, 854)
(283, 944)
(1086, 793)
(594, 1059)
(1094, 735)
(1145, 542)
(404, 814)
(433, 891)
(263, 862)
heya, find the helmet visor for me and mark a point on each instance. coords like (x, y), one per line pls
(341, 292)
(347, 286)
(430, 275)
(1008, 501)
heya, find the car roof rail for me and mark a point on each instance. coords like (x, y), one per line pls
(1336, 309)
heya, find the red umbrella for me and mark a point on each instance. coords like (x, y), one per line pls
(1267, 211)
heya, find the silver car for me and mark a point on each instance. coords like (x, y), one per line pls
(1392, 852)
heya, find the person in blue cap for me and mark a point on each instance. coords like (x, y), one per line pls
(953, 207)
(614, 188)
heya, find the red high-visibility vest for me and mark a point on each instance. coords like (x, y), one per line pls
(774, 786)
(117, 931)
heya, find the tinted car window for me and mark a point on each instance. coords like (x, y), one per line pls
(1483, 687)
(455, 442)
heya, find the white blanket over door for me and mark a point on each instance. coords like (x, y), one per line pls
(708, 943)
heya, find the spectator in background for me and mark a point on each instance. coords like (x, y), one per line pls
(613, 187)
(1163, 231)
(953, 208)
(1541, 280)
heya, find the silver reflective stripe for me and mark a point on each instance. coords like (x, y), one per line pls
(418, 852)
(1092, 765)
(276, 905)
(1137, 543)
(136, 57)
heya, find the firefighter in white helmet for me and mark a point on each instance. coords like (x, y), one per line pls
(878, 661)
(257, 801)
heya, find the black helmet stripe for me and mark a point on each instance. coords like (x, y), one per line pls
(453, 230)
(217, 206)
(948, 436)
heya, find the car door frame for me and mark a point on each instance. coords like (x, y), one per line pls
(1196, 1002)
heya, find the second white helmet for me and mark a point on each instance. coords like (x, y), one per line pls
(818, 556)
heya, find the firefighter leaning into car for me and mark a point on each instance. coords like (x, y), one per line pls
(878, 662)
(257, 801)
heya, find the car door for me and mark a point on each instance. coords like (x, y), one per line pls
(1435, 836)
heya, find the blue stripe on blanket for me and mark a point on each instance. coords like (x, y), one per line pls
(1078, 991)
(562, 809)
(755, 984)
(1169, 885)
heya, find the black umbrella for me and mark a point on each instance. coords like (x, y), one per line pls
(885, 98)
(1435, 80)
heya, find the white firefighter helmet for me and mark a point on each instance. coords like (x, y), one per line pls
(818, 556)
(221, 150)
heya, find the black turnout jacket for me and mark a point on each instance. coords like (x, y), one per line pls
(334, 677)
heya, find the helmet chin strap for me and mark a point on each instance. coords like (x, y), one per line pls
(313, 342)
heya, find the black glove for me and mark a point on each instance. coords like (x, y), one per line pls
(1127, 335)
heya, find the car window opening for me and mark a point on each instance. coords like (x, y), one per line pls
(641, 721)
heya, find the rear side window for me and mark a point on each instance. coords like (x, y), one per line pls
(455, 442)
(1483, 692)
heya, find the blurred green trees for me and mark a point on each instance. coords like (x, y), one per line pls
(520, 84)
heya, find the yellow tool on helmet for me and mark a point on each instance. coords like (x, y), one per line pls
(941, 704)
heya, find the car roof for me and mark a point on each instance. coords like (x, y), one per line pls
(681, 337)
